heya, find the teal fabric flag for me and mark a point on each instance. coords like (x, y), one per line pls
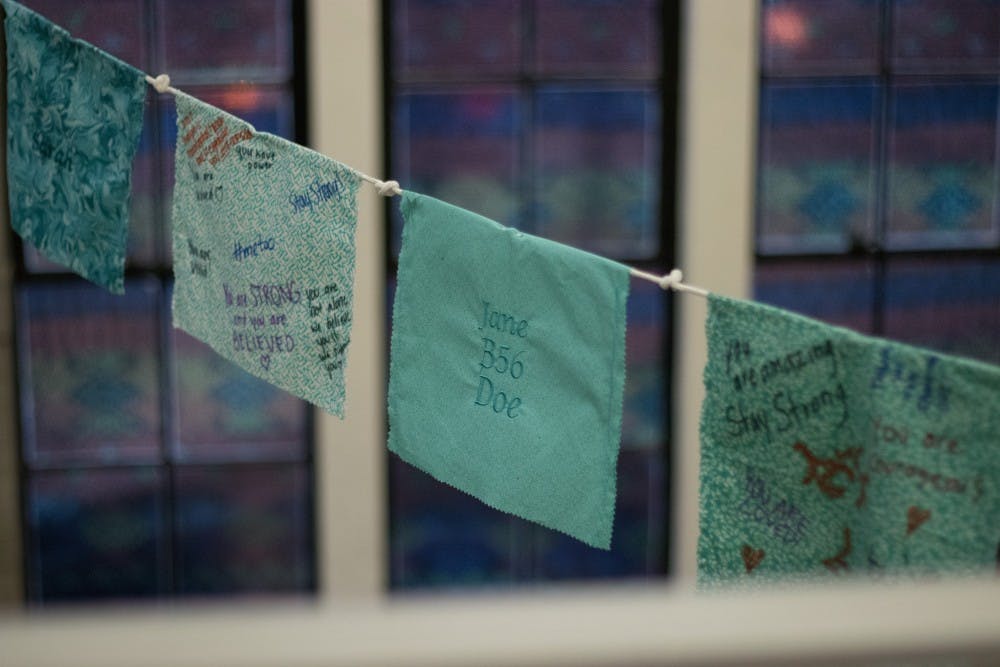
(825, 452)
(507, 367)
(74, 115)
(263, 235)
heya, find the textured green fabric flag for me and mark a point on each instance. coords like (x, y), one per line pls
(507, 367)
(74, 115)
(826, 452)
(264, 252)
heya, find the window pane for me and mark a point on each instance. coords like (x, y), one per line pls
(637, 546)
(124, 37)
(267, 108)
(597, 37)
(114, 403)
(643, 419)
(509, 135)
(36, 262)
(949, 305)
(226, 414)
(90, 373)
(96, 534)
(820, 36)
(942, 171)
(839, 292)
(243, 529)
(443, 39)
(597, 161)
(461, 147)
(817, 173)
(225, 40)
(441, 536)
(946, 35)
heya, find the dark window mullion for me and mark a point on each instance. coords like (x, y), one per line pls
(166, 530)
(669, 98)
(882, 130)
(170, 432)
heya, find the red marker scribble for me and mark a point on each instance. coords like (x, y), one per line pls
(824, 471)
(915, 517)
(751, 557)
(838, 562)
(853, 456)
(863, 494)
(212, 143)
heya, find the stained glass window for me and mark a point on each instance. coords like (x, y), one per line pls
(151, 465)
(555, 117)
(877, 199)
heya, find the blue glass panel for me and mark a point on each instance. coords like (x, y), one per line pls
(942, 166)
(644, 415)
(96, 534)
(90, 372)
(952, 305)
(597, 37)
(449, 38)
(597, 169)
(226, 414)
(268, 109)
(817, 175)
(243, 529)
(460, 147)
(36, 262)
(443, 537)
(225, 40)
(637, 546)
(124, 37)
(946, 35)
(840, 292)
(820, 36)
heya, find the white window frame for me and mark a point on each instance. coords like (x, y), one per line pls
(353, 622)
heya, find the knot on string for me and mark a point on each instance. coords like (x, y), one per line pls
(671, 280)
(388, 188)
(160, 83)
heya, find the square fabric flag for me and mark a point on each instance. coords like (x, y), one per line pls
(825, 452)
(263, 233)
(507, 367)
(74, 115)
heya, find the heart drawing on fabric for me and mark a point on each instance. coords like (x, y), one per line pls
(265, 361)
(751, 557)
(915, 517)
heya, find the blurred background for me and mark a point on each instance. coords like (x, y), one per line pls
(834, 157)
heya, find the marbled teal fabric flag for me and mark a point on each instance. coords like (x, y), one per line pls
(74, 115)
(825, 452)
(263, 236)
(507, 367)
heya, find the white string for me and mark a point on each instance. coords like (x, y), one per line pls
(161, 83)
(673, 280)
(384, 188)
